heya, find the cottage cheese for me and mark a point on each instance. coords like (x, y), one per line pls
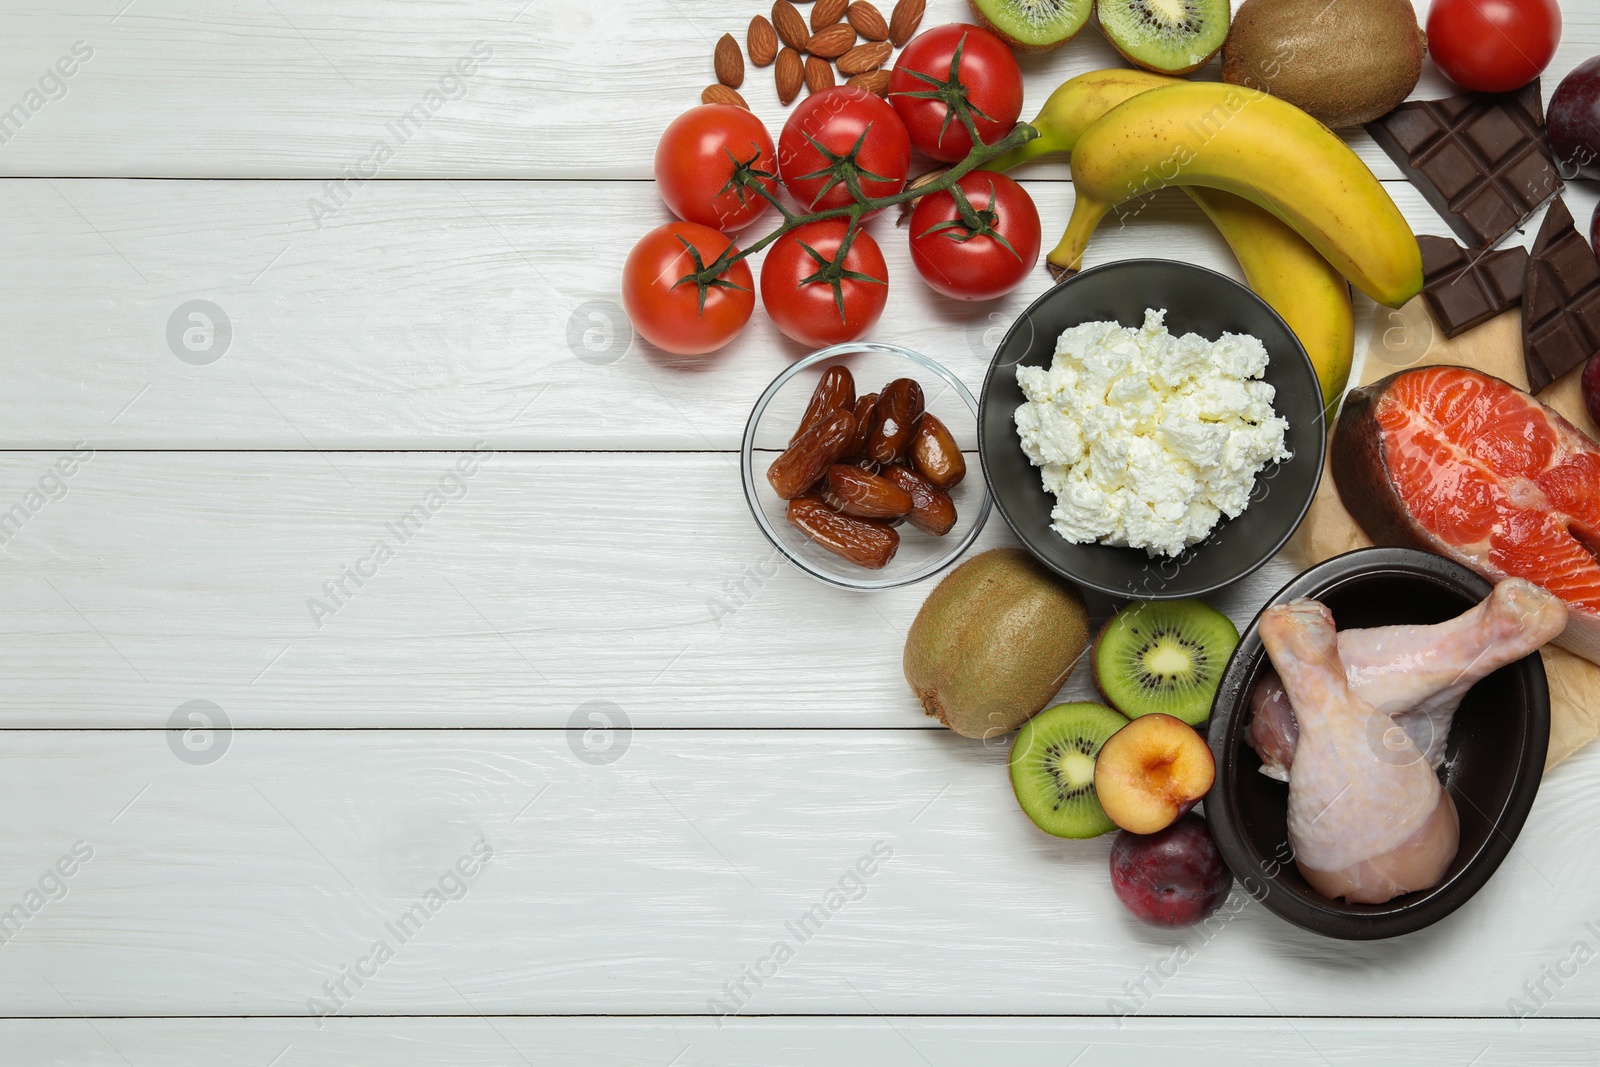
(1145, 439)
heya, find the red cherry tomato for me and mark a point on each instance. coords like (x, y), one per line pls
(840, 132)
(695, 161)
(1493, 46)
(990, 87)
(802, 300)
(979, 263)
(666, 310)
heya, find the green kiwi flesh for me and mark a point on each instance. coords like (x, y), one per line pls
(1032, 25)
(1052, 768)
(1164, 656)
(1167, 36)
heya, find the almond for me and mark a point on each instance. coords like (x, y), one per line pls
(790, 25)
(819, 74)
(790, 75)
(721, 94)
(904, 20)
(827, 12)
(864, 57)
(868, 21)
(874, 81)
(761, 41)
(831, 42)
(729, 61)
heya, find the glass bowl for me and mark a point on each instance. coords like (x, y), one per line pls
(778, 411)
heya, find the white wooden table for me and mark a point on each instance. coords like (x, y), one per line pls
(417, 768)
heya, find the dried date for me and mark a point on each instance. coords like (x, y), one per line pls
(861, 541)
(894, 417)
(805, 461)
(934, 453)
(932, 510)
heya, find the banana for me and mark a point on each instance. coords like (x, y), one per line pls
(1075, 106)
(1256, 146)
(1278, 264)
(1294, 278)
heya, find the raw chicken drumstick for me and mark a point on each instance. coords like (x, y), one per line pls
(1368, 819)
(1417, 674)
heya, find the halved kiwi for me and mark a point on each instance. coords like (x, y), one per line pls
(1032, 25)
(1164, 656)
(1167, 36)
(1052, 768)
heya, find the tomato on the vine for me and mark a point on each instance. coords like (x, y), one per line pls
(817, 295)
(839, 136)
(983, 252)
(696, 161)
(1493, 46)
(665, 303)
(950, 70)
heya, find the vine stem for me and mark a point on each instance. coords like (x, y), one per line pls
(863, 205)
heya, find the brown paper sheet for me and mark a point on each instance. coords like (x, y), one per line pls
(1408, 338)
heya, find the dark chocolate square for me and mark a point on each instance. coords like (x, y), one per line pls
(1561, 300)
(1464, 289)
(1481, 160)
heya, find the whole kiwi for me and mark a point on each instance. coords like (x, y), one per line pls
(1344, 63)
(994, 642)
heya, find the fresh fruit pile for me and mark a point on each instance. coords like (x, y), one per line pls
(843, 156)
(993, 644)
(857, 467)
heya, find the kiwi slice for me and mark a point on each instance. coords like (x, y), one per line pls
(1052, 768)
(1032, 25)
(1167, 36)
(1166, 656)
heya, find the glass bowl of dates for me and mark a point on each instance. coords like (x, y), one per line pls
(859, 464)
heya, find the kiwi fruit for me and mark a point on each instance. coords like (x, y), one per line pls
(1344, 64)
(1052, 768)
(1166, 36)
(993, 642)
(1164, 656)
(1032, 25)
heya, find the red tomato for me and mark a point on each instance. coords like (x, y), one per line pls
(667, 310)
(983, 263)
(985, 81)
(1493, 46)
(841, 133)
(695, 161)
(809, 305)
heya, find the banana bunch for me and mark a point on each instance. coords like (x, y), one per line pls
(1297, 230)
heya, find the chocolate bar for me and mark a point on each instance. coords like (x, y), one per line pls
(1561, 300)
(1481, 160)
(1466, 287)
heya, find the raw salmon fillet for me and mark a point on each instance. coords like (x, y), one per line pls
(1461, 463)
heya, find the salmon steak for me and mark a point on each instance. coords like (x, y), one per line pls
(1466, 465)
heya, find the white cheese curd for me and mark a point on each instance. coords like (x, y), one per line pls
(1147, 440)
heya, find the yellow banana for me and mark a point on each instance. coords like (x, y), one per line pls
(1278, 264)
(1294, 278)
(1256, 146)
(1075, 105)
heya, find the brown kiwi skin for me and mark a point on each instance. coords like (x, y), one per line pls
(1146, 66)
(1310, 65)
(1011, 42)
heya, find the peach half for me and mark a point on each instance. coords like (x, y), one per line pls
(1152, 771)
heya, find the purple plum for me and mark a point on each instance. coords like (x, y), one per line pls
(1573, 121)
(1173, 877)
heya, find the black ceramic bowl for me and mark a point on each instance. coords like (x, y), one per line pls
(1494, 757)
(1196, 301)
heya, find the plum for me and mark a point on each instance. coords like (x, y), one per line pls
(1152, 771)
(1173, 877)
(1573, 121)
(1591, 387)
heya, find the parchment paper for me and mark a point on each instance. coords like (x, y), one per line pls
(1408, 338)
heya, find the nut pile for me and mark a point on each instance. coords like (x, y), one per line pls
(857, 467)
(850, 37)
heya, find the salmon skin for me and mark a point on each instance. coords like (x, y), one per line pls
(1461, 463)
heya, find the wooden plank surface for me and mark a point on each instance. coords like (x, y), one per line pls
(697, 872)
(428, 315)
(307, 88)
(889, 1041)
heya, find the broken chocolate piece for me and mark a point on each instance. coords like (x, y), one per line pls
(1467, 287)
(1481, 160)
(1561, 300)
